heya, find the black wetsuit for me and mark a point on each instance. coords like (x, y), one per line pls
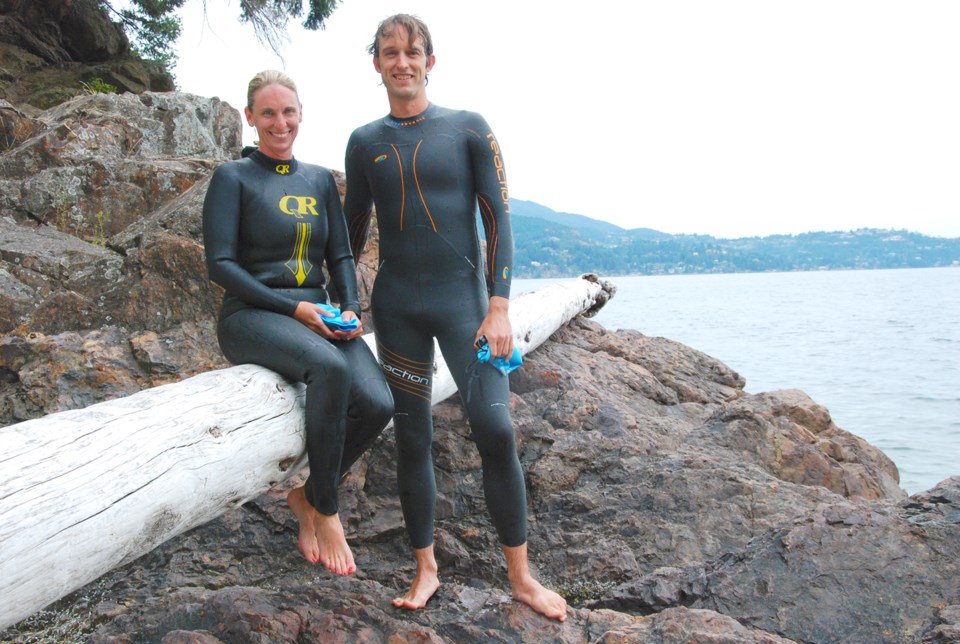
(427, 175)
(268, 226)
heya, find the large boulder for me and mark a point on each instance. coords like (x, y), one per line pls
(101, 245)
(841, 571)
(53, 50)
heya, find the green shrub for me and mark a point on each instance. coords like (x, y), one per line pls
(97, 85)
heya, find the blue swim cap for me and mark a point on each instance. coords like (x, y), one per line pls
(502, 364)
(336, 322)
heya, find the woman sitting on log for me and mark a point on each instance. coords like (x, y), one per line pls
(269, 223)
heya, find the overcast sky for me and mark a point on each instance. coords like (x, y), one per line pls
(723, 117)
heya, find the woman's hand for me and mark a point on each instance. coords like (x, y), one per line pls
(309, 314)
(350, 335)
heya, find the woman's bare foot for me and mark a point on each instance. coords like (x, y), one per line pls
(528, 590)
(307, 540)
(425, 584)
(334, 551)
(321, 536)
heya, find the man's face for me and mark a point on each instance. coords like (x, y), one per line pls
(403, 65)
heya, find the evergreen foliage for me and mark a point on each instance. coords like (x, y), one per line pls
(269, 18)
(153, 26)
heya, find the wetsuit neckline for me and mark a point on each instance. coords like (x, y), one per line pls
(396, 121)
(280, 166)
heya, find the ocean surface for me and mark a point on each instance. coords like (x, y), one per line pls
(880, 349)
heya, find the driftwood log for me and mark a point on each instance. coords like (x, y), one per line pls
(85, 491)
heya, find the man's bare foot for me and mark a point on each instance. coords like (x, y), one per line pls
(528, 590)
(307, 540)
(321, 536)
(334, 551)
(543, 600)
(425, 584)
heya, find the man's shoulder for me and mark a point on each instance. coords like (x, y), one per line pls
(467, 120)
(449, 112)
(367, 128)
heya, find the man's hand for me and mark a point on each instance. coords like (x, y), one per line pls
(496, 326)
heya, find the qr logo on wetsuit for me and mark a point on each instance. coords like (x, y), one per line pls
(302, 206)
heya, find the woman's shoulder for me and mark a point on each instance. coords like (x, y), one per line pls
(314, 170)
(306, 166)
(317, 175)
(233, 167)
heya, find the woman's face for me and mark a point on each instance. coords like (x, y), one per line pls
(276, 113)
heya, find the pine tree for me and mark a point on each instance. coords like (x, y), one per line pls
(153, 26)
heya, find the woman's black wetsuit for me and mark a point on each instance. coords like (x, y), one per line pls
(427, 175)
(268, 226)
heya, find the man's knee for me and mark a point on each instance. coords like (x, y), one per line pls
(414, 439)
(496, 440)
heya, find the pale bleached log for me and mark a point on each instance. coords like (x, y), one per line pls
(85, 491)
(535, 316)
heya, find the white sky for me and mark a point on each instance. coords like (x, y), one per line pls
(723, 117)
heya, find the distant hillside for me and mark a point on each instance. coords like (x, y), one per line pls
(554, 244)
(593, 228)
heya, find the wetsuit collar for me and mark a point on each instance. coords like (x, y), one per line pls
(288, 166)
(411, 120)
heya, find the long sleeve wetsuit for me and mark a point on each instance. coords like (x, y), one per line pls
(268, 227)
(427, 175)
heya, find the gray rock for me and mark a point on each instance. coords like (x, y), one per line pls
(841, 571)
(101, 238)
(53, 50)
(644, 513)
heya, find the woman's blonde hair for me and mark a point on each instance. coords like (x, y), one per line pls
(269, 77)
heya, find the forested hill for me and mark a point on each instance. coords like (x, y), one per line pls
(556, 244)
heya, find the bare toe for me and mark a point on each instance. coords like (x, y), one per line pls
(307, 538)
(335, 553)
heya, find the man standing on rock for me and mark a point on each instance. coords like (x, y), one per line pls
(426, 169)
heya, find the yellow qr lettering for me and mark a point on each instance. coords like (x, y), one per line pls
(298, 206)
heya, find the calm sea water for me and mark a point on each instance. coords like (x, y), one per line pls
(880, 349)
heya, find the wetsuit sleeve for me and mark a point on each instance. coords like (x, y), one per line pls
(339, 259)
(494, 202)
(221, 231)
(358, 204)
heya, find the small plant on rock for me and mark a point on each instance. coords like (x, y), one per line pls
(97, 85)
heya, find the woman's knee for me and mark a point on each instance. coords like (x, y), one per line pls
(329, 370)
(374, 400)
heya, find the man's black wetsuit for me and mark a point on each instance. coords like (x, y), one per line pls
(427, 175)
(268, 227)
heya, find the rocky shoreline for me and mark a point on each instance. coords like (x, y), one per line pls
(666, 503)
